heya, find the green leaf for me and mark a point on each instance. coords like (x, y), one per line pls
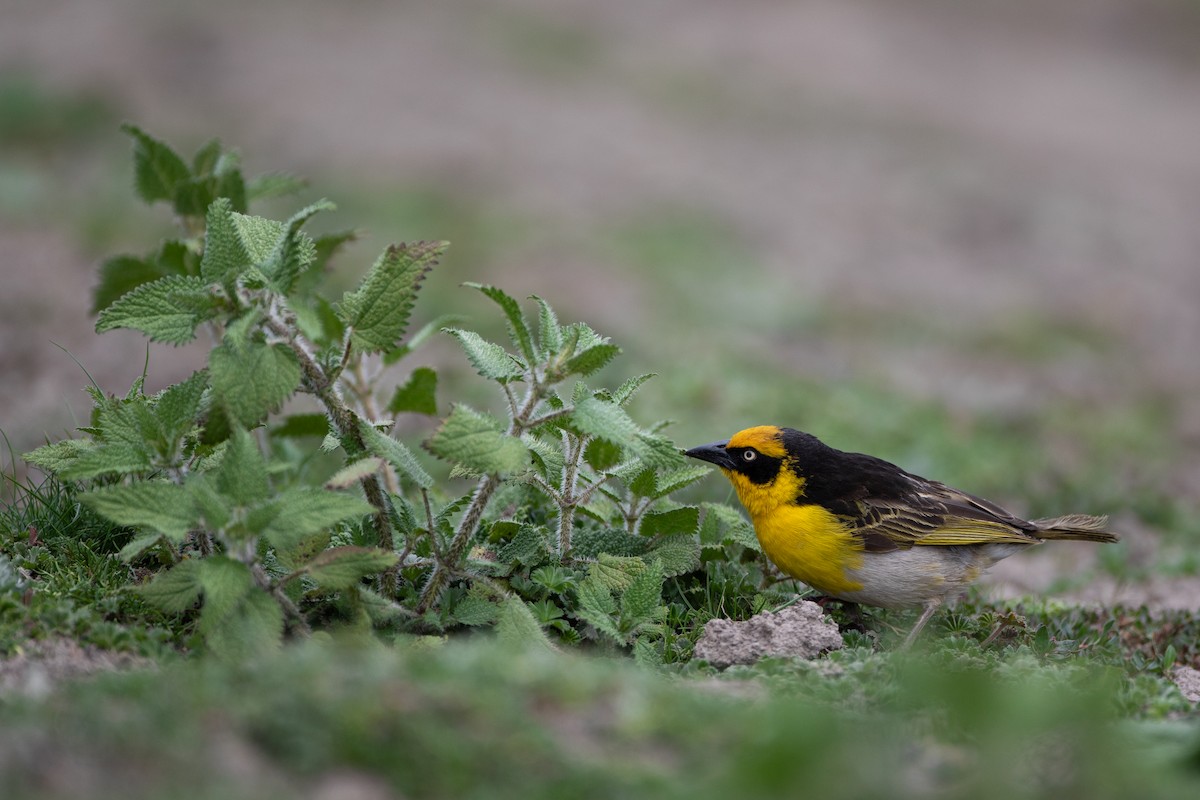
(294, 250)
(120, 275)
(176, 589)
(489, 359)
(400, 457)
(342, 567)
(418, 395)
(678, 554)
(205, 160)
(641, 601)
(615, 573)
(724, 525)
(103, 459)
(528, 547)
(677, 520)
(597, 608)
(550, 338)
(674, 480)
(139, 544)
(518, 328)
(242, 473)
(176, 406)
(157, 168)
(475, 441)
(259, 236)
(167, 310)
(225, 255)
(475, 609)
(354, 472)
(592, 359)
(251, 628)
(224, 582)
(377, 311)
(305, 510)
(602, 455)
(251, 378)
(161, 507)
(58, 456)
(518, 628)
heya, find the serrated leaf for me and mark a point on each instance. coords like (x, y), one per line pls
(678, 554)
(644, 483)
(597, 607)
(176, 407)
(641, 601)
(615, 573)
(398, 455)
(93, 462)
(120, 275)
(304, 510)
(166, 310)
(162, 507)
(489, 359)
(251, 378)
(342, 567)
(723, 525)
(528, 546)
(252, 628)
(57, 456)
(354, 472)
(225, 255)
(242, 473)
(665, 523)
(475, 610)
(549, 331)
(259, 236)
(418, 395)
(475, 441)
(377, 311)
(176, 589)
(674, 480)
(294, 251)
(139, 544)
(518, 628)
(157, 168)
(592, 359)
(296, 426)
(518, 328)
(224, 582)
(602, 455)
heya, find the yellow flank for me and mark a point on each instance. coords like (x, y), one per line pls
(805, 541)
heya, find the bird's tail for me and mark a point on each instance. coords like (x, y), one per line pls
(1081, 527)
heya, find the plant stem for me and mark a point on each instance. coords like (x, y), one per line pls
(345, 421)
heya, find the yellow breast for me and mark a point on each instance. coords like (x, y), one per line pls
(805, 541)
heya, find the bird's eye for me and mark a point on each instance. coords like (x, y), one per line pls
(749, 455)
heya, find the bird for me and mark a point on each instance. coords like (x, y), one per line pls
(861, 529)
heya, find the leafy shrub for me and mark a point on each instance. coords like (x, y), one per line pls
(208, 473)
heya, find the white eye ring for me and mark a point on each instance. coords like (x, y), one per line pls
(749, 455)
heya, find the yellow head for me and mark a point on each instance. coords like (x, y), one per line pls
(761, 463)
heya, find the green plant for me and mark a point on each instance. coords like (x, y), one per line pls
(211, 478)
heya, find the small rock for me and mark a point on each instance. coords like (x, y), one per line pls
(799, 631)
(1188, 681)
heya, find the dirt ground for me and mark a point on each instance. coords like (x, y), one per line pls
(969, 164)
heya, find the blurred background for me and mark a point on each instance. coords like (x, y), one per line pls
(961, 236)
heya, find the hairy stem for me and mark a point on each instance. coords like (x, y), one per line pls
(344, 420)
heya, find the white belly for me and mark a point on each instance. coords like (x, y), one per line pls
(904, 578)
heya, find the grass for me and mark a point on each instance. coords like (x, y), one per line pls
(476, 719)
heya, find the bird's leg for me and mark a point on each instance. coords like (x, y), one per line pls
(931, 607)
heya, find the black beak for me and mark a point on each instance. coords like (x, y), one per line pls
(714, 453)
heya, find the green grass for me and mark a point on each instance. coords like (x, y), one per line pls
(479, 720)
